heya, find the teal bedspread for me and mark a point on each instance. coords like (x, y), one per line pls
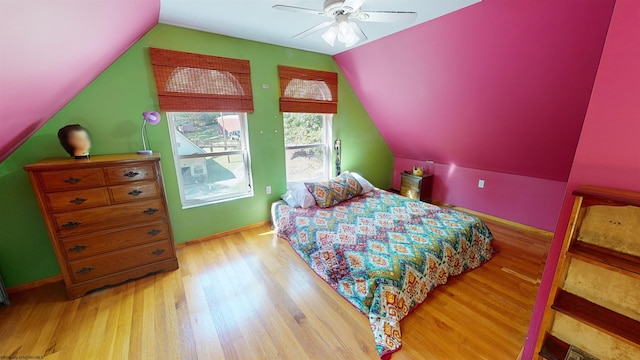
(384, 253)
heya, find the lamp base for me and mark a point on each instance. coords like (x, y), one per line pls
(145, 152)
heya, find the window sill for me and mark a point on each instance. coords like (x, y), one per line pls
(218, 201)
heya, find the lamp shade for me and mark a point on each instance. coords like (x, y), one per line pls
(331, 34)
(344, 31)
(152, 117)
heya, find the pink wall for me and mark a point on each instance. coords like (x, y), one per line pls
(525, 200)
(608, 152)
(502, 85)
(51, 50)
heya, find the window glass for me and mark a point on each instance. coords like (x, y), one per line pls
(307, 146)
(211, 155)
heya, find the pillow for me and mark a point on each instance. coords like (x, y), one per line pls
(288, 198)
(366, 185)
(297, 195)
(334, 191)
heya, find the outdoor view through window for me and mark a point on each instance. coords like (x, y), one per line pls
(212, 156)
(306, 139)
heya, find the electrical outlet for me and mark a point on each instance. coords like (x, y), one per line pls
(481, 184)
(268, 190)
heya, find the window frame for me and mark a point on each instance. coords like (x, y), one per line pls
(328, 145)
(246, 151)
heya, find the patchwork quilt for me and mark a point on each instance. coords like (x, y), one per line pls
(384, 252)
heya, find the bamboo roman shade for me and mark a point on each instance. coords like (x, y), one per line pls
(195, 82)
(308, 91)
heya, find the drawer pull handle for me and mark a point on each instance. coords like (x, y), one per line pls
(158, 252)
(135, 192)
(72, 180)
(84, 270)
(78, 248)
(78, 201)
(154, 232)
(131, 174)
(150, 211)
(71, 224)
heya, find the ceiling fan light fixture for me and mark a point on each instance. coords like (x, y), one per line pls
(343, 31)
(340, 28)
(347, 33)
(352, 37)
(331, 34)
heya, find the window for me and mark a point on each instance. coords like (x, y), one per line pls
(308, 98)
(211, 151)
(307, 140)
(207, 99)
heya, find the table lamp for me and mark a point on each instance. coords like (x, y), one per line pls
(153, 118)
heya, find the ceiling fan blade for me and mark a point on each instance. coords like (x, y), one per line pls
(352, 5)
(299, 10)
(387, 16)
(359, 32)
(314, 29)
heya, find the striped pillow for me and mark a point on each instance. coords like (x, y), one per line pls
(334, 191)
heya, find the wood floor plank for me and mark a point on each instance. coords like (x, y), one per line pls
(54, 310)
(273, 315)
(169, 327)
(224, 285)
(106, 317)
(86, 319)
(202, 325)
(106, 345)
(186, 343)
(248, 295)
(123, 335)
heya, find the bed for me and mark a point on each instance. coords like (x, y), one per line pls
(384, 252)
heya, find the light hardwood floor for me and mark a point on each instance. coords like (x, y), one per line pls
(249, 296)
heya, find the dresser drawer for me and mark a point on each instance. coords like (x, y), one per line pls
(125, 174)
(410, 181)
(108, 217)
(410, 193)
(410, 186)
(77, 199)
(134, 192)
(81, 246)
(72, 179)
(109, 263)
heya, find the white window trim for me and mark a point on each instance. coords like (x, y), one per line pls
(328, 145)
(188, 204)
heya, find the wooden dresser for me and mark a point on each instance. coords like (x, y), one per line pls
(416, 187)
(594, 304)
(106, 216)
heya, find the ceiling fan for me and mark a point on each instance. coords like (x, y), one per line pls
(341, 28)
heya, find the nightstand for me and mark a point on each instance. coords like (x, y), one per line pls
(416, 187)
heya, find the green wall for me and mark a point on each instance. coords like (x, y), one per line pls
(111, 106)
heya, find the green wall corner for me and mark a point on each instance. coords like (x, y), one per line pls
(111, 106)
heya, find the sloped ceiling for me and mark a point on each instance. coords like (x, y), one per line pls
(502, 85)
(52, 49)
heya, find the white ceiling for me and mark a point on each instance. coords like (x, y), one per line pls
(256, 20)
